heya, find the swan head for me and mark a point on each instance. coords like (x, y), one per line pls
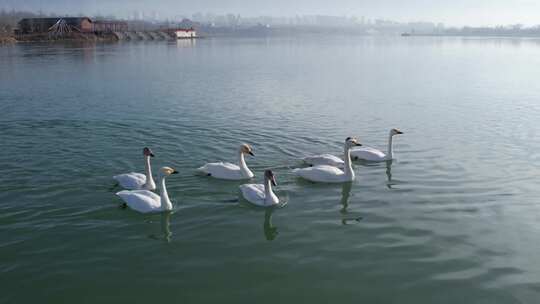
(352, 142)
(269, 175)
(166, 171)
(395, 132)
(246, 149)
(147, 152)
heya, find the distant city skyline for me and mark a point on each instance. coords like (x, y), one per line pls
(451, 13)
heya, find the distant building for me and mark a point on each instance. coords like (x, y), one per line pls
(42, 25)
(110, 26)
(185, 33)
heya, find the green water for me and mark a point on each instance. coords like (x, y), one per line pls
(455, 219)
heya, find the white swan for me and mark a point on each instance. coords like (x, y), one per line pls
(324, 159)
(372, 154)
(137, 181)
(330, 174)
(146, 201)
(230, 171)
(261, 195)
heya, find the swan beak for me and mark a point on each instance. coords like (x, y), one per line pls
(358, 144)
(151, 154)
(251, 153)
(399, 132)
(174, 172)
(273, 180)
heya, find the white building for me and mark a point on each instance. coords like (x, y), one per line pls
(186, 33)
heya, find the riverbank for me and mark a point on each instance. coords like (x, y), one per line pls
(46, 37)
(6, 39)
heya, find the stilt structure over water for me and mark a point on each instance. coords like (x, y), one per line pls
(61, 28)
(55, 28)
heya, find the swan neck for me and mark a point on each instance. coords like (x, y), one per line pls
(349, 172)
(269, 197)
(243, 166)
(165, 201)
(150, 184)
(267, 187)
(390, 151)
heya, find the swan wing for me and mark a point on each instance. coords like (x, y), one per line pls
(222, 170)
(143, 201)
(324, 159)
(368, 153)
(253, 193)
(131, 181)
(323, 173)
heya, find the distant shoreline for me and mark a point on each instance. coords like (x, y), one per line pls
(9, 39)
(45, 37)
(486, 35)
(12, 39)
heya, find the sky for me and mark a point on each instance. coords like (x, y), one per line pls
(450, 12)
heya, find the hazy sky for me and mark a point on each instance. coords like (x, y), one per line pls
(451, 12)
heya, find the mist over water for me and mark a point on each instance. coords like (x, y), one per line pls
(453, 220)
(455, 13)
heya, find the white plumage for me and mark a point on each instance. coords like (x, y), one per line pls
(259, 194)
(223, 170)
(146, 201)
(322, 174)
(143, 201)
(324, 159)
(331, 174)
(131, 181)
(368, 153)
(138, 181)
(376, 155)
(253, 193)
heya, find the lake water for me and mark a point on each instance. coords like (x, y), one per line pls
(454, 219)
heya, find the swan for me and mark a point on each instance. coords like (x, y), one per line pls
(372, 154)
(324, 159)
(145, 201)
(230, 171)
(138, 181)
(261, 195)
(330, 174)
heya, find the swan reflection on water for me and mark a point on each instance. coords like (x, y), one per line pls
(166, 226)
(389, 183)
(166, 234)
(345, 194)
(270, 231)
